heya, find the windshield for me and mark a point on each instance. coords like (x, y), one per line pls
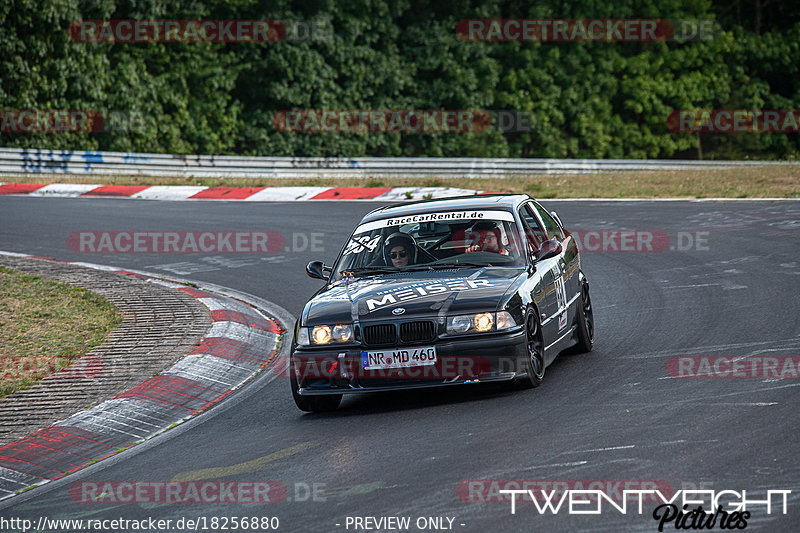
(433, 240)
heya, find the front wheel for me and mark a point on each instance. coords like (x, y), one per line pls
(534, 364)
(312, 404)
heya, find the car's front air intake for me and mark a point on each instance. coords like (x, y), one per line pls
(417, 331)
(380, 334)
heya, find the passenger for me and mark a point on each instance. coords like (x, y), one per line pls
(486, 238)
(400, 250)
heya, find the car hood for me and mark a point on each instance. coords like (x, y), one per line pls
(439, 292)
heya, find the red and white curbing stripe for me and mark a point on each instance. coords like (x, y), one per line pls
(241, 342)
(247, 194)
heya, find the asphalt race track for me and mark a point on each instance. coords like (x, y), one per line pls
(726, 285)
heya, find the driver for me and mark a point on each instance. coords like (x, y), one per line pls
(486, 238)
(399, 250)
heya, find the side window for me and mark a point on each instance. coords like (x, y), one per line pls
(533, 231)
(552, 227)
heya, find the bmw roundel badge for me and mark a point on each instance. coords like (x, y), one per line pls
(398, 311)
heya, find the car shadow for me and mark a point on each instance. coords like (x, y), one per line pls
(421, 398)
(405, 400)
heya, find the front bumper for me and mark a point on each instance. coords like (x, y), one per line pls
(468, 359)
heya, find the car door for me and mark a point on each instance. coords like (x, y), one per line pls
(568, 286)
(545, 294)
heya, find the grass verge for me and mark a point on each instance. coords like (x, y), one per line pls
(46, 325)
(779, 181)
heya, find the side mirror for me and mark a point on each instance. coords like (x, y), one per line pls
(549, 249)
(317, 269)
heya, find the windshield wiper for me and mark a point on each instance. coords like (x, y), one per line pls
(422, 266)
(371, 270)
(375, 270)
(466, 264)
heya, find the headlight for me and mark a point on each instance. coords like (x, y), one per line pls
(484, 322)
(325, 334)
(459, 324)
(480, 323)
(342, 333)
(321, 334)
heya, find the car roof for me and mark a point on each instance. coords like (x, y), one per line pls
(507, 202)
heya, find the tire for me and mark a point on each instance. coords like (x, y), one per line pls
(585, 322)
(534, 364)
(312, 404)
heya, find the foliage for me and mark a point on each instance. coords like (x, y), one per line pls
(583, 99)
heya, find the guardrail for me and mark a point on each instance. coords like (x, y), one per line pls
(27, 162)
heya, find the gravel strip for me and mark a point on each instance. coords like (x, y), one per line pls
(160, 325)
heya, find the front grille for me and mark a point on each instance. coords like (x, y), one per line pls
(380, 334)
(417, 331)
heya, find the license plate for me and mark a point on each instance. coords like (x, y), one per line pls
(400, 358)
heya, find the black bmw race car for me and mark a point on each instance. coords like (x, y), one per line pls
(445, 292)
